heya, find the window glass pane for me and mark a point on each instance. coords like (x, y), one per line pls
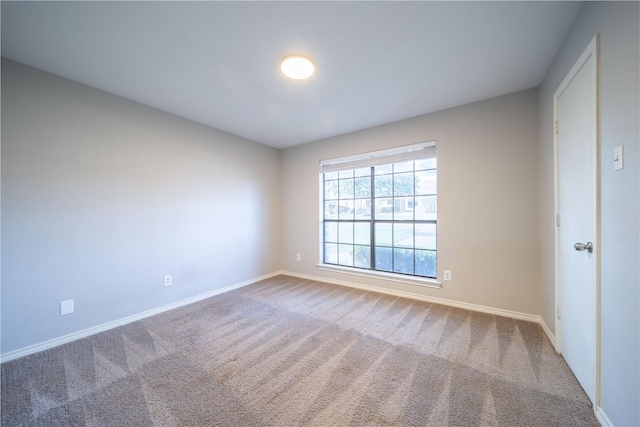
(384, 208)
(363, 172)
(345, 232)
(345, 255)
(426, 263)
(403, 235)
(383, 234)
(384, 259)
(403, 167)
(362, 257)
(426, 164)
(378, 170)
(383, 186)
(331, 253)
(330, 231)
(362, 233)
(403, 261)
(346, 173)
(363, 187)
(346, 209)
(330, 190)
(330, 175)
(403, 208)
(426, 207)
(425, 236)
(426, 182)
(362, 208)
(346, 188)
(331, 210)
(403, 184)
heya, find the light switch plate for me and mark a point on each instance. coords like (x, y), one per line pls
(618, 158)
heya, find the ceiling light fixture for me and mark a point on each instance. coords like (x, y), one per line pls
(297, 67)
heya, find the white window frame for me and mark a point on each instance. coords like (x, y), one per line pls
(380, 157)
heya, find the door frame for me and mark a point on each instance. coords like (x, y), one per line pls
(591, 51)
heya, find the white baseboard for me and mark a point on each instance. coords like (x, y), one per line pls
(114, 324)
(452, 303)
(110, 325)
(602, 418)
(548, 332)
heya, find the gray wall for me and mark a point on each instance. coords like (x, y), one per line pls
(617, 23)
(101, 197)
(487, 199)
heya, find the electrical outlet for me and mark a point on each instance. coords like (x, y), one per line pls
(447, 275)
(297, 257)
(66, 307)
(168, 280)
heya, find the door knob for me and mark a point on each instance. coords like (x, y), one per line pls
(581, 247)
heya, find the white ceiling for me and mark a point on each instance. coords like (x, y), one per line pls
(217, 62)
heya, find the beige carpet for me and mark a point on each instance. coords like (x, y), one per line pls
(287, 352)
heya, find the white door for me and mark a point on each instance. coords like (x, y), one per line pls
(577, 237)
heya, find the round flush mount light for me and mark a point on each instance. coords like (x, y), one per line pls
(297, 67)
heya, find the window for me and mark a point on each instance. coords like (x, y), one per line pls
(379, 210)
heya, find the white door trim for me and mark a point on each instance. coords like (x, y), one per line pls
(591, 51)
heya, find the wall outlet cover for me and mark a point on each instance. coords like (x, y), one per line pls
(66, 307)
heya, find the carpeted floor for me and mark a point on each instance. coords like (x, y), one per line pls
(287, 352)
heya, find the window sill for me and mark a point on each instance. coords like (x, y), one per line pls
(381, 275)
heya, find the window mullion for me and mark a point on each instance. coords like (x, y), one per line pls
(414, 235)
(393, 219)
(372, 254)
(413, 214)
